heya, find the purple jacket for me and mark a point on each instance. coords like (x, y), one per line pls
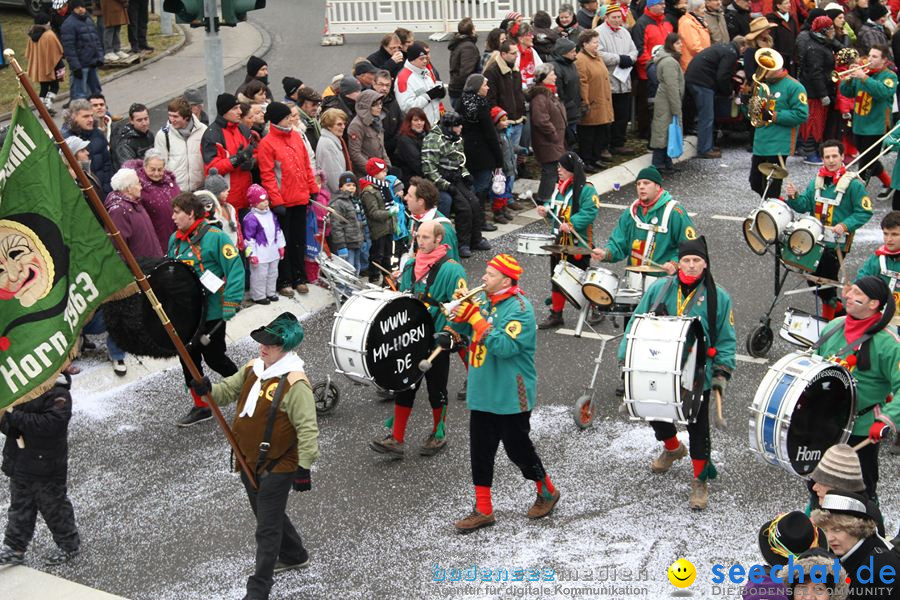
(767, 590)
(133, 223)
(254, 231)
(156, 196)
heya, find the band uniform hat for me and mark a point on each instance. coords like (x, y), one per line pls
(839, 469)
(695, 247)
(758, 26)
(650, 173)
(507, 265)
(790, 534)
(284, 330)
(847, 503)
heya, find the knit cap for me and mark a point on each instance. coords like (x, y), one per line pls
(822, 23)
(256, 194)
(215, 183)
(839, 469)
(507, 265)
(650, 173)
(375, 166)
(497, 114)
(347, 177)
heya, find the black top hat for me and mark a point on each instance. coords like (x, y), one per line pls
(790, 534)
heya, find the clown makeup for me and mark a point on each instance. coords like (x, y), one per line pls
(24, 271)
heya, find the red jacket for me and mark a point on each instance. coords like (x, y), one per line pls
(221, 141)
(649, 31)
(284, 168)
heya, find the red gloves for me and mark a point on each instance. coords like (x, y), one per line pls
(254, 260)
(878, 431)
(470, 313)
(281, 253)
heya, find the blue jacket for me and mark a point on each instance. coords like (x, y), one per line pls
(81, 43)
(101, 160)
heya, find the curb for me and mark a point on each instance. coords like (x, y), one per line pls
(626, 173)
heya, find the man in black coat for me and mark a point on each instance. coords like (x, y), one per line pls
(133, 139)
(465, 59)
(36, 460)
(389, 55)
(709, 74)
(737, 18)
(79, 121)
(568, 84)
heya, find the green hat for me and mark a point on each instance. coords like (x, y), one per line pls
(285, 331)
(650, 173)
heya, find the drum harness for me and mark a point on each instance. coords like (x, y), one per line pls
(892, 275)
(559, 208)
(827, 204)
(425, 296)
(652, 228)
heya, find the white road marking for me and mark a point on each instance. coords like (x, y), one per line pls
(750, 359)
(727, 218)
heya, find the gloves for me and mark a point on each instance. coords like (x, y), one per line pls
(625, 61)
(465, 313)
(302, 482)
(437, 92)
(237, 160)
(280, 211)
(720, 382)
(343, 253)
(254, 260)
(394, 209)
(825, 100)
(281, 253)
(201, 387)
(878, 431)
(77, 73)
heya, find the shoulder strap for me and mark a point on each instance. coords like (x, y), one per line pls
(433, 273)
(270, 423)
(661, 302)
(826, 337)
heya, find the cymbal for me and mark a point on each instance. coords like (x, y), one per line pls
(776, 171)
(644, 269)
(815, 279)
(562, 249)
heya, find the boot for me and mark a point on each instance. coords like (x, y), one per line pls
(432, 445)
(667, 458)
(699, 494)
(475, 520)
(8, 556)
(515, 205)
(48, 103)
(388, 445)
(499, 217)
(543, 506)
(509, 214)
(461, 394)
(554, 319)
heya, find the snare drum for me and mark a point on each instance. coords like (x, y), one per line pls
(808, 262)
(339, 273)
(627, 300)
(804, 405)
(665, 368)
(599, 286)
(530, 243)
(772, 218)
(805, 234)
(801, 328)
(567, 278)
(379, 337)
(751, 236)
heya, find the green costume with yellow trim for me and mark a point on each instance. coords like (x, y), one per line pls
(886, 267)
(874, 98)
(779, 136)
(210, 248)
(450, 277)
(580, 213)
(822, 199)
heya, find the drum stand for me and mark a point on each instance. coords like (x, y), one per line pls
(583, 411)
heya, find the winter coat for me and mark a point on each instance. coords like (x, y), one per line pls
(738, 21)
(570, 31)
(718, 28)
(614, 45)
(669, 94)
(648, 32)
(408, 156)
(391, 119)
(115, 12)
(505, 87)
(382, 60)
(443, 159)
(381, 222)
(411, 90)
(869, 35)
(814, 68)
(332, 157)
(263, 235)
(346, 105)
(311, 128)
(156, 197)
(881, 555)
(44, 52)
(43, 424)
(713, 68)
(349, 233)
(129, 144)
(784, 38)
(673, 16)
(219, 142)
(285, 169)
(101, 161)
(479, 135)
(134, 224)
(464, 60)
(856, 18)
(183, 157)
(586, 19)
(544, 40)
(365, 136)
(568, 87)
(596, 90)
(81, 42)
(694, 38)
(548, 124)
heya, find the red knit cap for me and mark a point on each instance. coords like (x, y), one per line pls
(507, 265)
(497, 114)
(375, 166)
(822, 23)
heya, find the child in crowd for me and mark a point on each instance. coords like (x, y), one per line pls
(348, 234)
(499, 200)
(381, 207)
(220, 212)
(265, 246)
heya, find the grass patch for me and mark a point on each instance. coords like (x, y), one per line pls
(16, 24)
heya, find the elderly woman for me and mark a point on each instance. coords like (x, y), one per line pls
(158, 187)
(596, 96)
(332, 154)
(130, 217)
(366, 135)
(693, 31)
(548, 126)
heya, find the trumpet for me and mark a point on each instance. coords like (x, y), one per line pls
(449, 307)
(841, 75)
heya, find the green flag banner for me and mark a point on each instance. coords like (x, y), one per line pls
(57, 264)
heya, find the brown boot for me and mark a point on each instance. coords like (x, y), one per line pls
(387, 445)
(667, 458)
(699, 494)
(543, 506)
(516, 206)
(475, 520)
(554, 319)
(432, 445)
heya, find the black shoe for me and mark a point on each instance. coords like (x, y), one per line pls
(620, 388)
(592, 168)
(264, 302)
(281, 567)
(488, 226)
(8, 556)
(554, 319)
(483, 244)
(499, 217)
(273, 298)
(87, 344)
(461, 394)
(885, 193)
(60, 556)
(464, 252)
(197, 414)
(148, 48)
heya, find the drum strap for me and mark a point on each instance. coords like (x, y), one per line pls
(843, 351)
(653, 227)
(431, 277)
(660, 307)
(270, 424)
(893, 275)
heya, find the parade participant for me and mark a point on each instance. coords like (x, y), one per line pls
(651, 228)
(276, 431)
(862, 343)
(694, 294)
(575, 204)
(885, 261)
(843, 206)
(783, 110)
(432, 277)
(421, 202)
(503, 383)
(209, 251)
(874, 88)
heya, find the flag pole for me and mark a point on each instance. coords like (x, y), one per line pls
(122, 247)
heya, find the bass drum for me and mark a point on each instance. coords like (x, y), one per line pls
(133, 324)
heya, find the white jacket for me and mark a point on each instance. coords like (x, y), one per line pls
(183, 158)
(411, 89)
(614, 44)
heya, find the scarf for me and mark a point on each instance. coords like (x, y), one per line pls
(551, 87)
(186, 235)
(785, 16)
(383, 186)
(526, 64)
(426, 260)
(289, 362)
(502, 295)
(700, 19)
(834, 175)
(855, 328)
(883, 251)
(645, 207)
(689, 280)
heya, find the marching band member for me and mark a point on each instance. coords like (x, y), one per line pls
(421, 203)
(694, 294)
(841, 203)
(432, 277)
(885, 261)
(874, 88)
(574, 203)
(276, 431)
(871, 352)
(783, 111)
(502, 390)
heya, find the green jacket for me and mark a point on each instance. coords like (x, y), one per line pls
(874, 98)
(893, 140)
(450, 277)
(502, 374)
(872, 267)
(219, 256)
(628, 237)
(726, 341)
(873, 385)
(854, 211)
(791, 111)
(581, 219)
(442, 156)
(381, 221)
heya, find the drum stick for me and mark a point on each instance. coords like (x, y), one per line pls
(555, 218)
(862, 444)
(425, 365)
(719, 421)
(840, 256)
(330, 210)
(638, 256)
(388, 275)
(863, 152)
(204, 339)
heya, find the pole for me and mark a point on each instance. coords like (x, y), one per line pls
(212, 46)
(123, 249)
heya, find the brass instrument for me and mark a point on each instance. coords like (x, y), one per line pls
(846, 56)
(768, 61)
(841, 75)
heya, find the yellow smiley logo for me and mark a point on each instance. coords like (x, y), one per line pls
(682, 573)
(690, 233)
(866, 203)
(229, 251)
